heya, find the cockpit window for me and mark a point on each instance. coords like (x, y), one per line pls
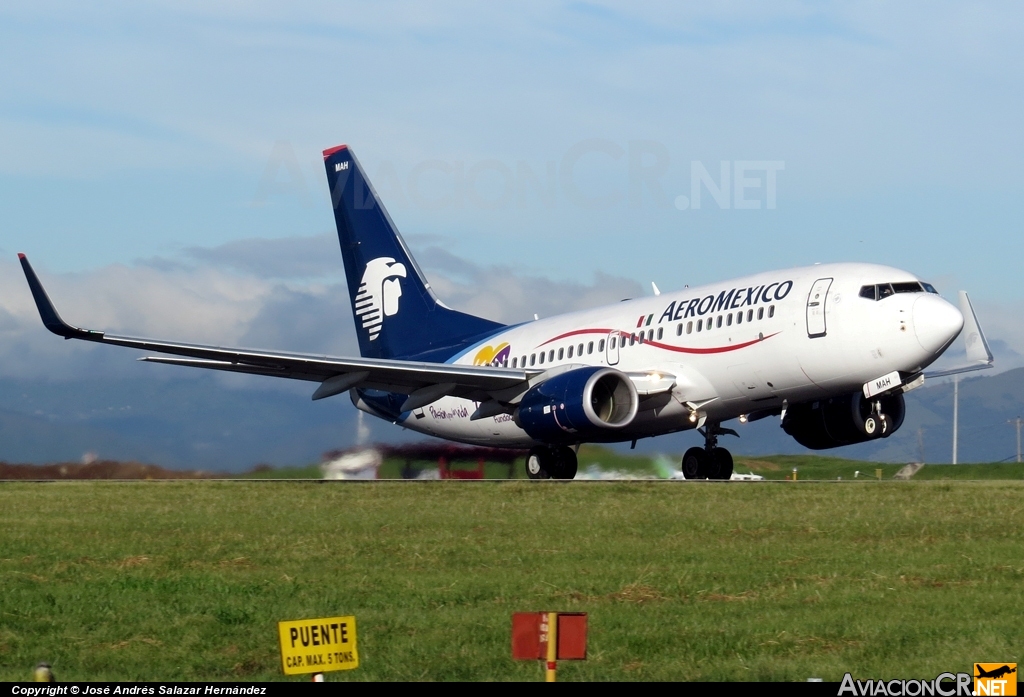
(882, 291)
(913, 287)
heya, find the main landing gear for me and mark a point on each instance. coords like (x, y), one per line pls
(709, 462)
(551, 462)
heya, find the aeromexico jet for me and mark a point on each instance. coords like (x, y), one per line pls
(829, 349)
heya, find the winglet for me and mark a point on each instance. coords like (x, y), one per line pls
(978, 350)
(979, 355)
(47, 312)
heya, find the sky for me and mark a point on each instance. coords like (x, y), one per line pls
(160, 162)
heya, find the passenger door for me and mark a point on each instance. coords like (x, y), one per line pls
(816, 307)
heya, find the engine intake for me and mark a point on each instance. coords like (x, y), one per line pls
(582, 404)
(829, 423)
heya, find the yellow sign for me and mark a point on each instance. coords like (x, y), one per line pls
(995, 679)
(316, 646)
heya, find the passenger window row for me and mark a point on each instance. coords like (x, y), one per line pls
(724, 320)
(880, 291)
(549, 356)
(636, 338)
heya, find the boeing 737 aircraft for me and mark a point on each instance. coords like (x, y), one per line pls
(829, 349)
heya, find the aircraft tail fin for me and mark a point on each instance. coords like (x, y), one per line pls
(396, 313)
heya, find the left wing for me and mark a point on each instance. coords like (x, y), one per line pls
(423, 382)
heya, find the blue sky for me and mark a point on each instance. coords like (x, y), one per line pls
(546, 145)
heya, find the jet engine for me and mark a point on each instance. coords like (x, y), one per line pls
(582, 404)
(852, 418)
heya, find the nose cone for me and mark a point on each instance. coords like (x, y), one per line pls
(936, 323)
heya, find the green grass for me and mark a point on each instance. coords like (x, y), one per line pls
(698, 581)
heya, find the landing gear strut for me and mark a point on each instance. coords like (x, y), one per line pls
(551, 462)
(709, 462)
(877, 424)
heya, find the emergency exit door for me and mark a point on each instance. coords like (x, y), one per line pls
(816, 307)
(612, 350)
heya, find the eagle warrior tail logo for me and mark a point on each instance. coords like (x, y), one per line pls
(379, 292)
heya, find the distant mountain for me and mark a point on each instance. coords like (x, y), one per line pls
(213, 422)
(202, 421)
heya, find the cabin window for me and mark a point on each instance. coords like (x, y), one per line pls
(600, 346)
(590, 347)
(750, 315)
(660, 332)
(514, 362)
(533, 358)
(679, 329)
(551, 355)
(689, 327)
(771, 311)
(612, 342)
(700, 324)
(570, 351)
(579, 350)
(542, 358)
(728, 320)
(760, 313)
(561, 354)
(650, 335)
(718, 322)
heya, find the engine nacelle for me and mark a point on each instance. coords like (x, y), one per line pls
(829, 423)
(583, 404)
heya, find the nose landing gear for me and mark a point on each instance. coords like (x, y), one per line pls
(709, 462)
(877, 424)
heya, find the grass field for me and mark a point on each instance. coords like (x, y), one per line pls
(682, 581)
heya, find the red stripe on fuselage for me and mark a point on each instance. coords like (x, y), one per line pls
(715, 349)
(667, 347)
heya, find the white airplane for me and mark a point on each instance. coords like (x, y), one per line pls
(830, 349)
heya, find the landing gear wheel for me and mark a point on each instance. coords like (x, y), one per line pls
(886, 425)
(551, 462)
(538, 463)
(722, 460)
(871, 427)
(565, 464)
(695, 464)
